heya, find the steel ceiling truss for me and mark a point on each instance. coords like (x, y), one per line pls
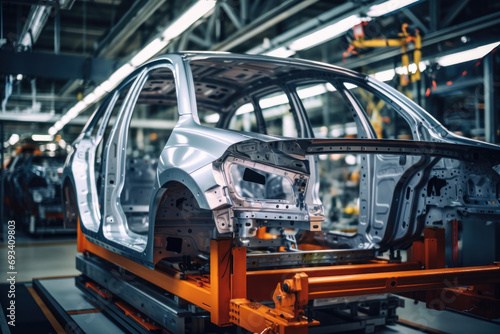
(233, 23)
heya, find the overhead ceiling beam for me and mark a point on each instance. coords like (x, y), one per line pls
(430, 39)
(42, 97)
(285, 38)
(127, 26)
(264, 22)
(232, 15)
(27, 117)
(41, 117)
(435, 14)
(53, 66)
(416, 21)
(34, 24)
(453, 12)
(28, 2)
(79, 30)
(63, 4)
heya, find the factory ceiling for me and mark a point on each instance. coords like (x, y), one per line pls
(54, 52)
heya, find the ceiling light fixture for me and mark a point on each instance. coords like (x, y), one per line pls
(325, 34)
(13, 139)
(283, 52)
(149, 51)
(120, 74)
(52, 130)
(273, 101)
(183, 22)
(42, 137)
(388, 75)
(90, 98)
(388, 7)
(200, 9)
(99, 92)
(312, 91)
(333, 30)
(464, 56)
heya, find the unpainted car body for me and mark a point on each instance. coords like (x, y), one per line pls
(33, 191)
(226, 171)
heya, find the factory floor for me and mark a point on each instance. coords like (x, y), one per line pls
(54, 256)
(40, 256)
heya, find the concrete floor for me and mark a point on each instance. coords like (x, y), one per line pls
(54, 256)
(445, 321)
(40, 256)
(41, 260)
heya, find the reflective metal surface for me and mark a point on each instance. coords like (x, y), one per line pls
(234, 165)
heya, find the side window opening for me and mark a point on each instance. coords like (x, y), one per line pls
(244, 119)
(91, 192)
(273, 116)
(278, 115)
(331, 116)
(208, 117)
(385, 120)
(153, 118)
(102, 134)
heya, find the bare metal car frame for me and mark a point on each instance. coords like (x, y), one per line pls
(204, 207)
(435, 178)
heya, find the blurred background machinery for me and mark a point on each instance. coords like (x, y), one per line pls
(58, 58)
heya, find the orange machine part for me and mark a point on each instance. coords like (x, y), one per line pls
(227, 294)
(187, 289)
(130, 312)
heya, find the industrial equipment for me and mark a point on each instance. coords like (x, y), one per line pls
(223, 213)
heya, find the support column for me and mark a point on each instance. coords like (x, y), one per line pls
(220, 280)
(239, 274)
(434, 11)
(489, 100)
(57, 28)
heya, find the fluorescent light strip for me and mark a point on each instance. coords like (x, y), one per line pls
(325, 34)
(322, 35)
(465, 56)
(280, 52)
(200, 9)
(183, 22)
(149, 51)
(246, 108)
(388, 75)
(42, 137)
(13, 139)
(120, 74)
(388, 7)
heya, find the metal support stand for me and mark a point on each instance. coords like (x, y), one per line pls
(231, 294)
(134, 300)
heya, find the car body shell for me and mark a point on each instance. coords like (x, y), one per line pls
(198, 171)
(33, 190)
